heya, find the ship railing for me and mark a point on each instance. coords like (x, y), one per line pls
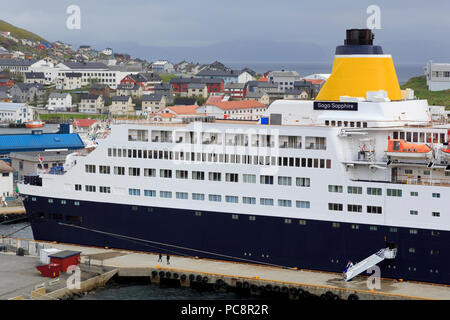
(420, 180)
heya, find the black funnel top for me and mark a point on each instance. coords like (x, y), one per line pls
(359, 41)
(359, 37)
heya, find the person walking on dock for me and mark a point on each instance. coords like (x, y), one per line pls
(168, 258)
(160, 258)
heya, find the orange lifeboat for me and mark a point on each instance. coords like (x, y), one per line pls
(398, 148)
(34, 124)
(445, 152)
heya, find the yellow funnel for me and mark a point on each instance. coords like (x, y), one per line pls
(355, 75)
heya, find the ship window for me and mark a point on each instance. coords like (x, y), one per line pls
(413, 212)
(413, 231)
(284, 181)
(232, 177)
(249, 178)
(333, 123)
(373, 228)
(374, 209)
(252, 218)
(134, 208)
(181, 174)
(355, 226)
(436, 214)
(435, 233)
(248, 200)
(119, 171)
(103, 189)
(436, 195)
(412, 250)
(302, 222)
(215, 176)
(165, 194)
(328, 164)
(354, 190)
(198, 175)
(415, 137)
(303, 204)
(335, 224)
(395, 135)
(408, 136)
(150, 193)
(134, 172)
(231, 199)
(335, 206)
(414, 194)
(266, 179)
(181, 195)
(284, 203)
(303, 182)
(315, 143)
(165, 173)
(402, 135)
(76, 203)
(77, 187)
(288, 221)
(327, 122)
(434, 252)
(215, 197)
(358, 124)
(364, 124)
(332, 188)
(198, 196)
(149, 172)
(90, 168)
(374, 191)
(234, 217)
(393, 229)
(134, 192)
(394, 192)
(396, 145)
(352, 124)
(104, 169)
(408, 171)
(89, 188)
(266, 202)
(354, 208)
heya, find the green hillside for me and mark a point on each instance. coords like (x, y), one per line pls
(18, 32)
(419, 85)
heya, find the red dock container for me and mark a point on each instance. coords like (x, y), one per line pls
(65, 259)
(49, 270)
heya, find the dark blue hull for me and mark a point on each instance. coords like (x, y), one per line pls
(318, 245)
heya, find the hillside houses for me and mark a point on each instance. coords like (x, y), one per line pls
(59, 102)
(91, 103)
(27, 92)
(152, 103)
(122, 105)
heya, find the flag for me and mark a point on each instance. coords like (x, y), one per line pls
(40, 159)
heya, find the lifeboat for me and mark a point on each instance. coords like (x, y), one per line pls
(400, 149)
(34, 124)
(445, 152)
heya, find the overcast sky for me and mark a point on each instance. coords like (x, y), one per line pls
(204, 22)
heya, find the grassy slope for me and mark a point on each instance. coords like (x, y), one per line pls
(419, 85)
(18, 32)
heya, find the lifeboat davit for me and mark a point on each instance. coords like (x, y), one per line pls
(400, 149)
(34, 124)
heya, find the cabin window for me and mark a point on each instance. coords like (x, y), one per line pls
(266, 202)
(335, 206)
(231, 199)
(284, 203)
(408, 136)
(395, 135)
(333, 188)
(413, 212)
(374, 209)
(436, 214)
(181, 195)
(354, 190)
(198, 196)
(150, 193)
(303, 204)
(402, 135)
(354, 208)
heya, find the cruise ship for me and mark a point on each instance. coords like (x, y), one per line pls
(362, 171)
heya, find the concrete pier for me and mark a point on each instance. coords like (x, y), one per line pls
(256, 278)
(138, 264)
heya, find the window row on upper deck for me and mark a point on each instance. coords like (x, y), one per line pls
(421, 137)
(220, 158)
(230, 139)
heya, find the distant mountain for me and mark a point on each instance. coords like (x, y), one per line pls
(229, 51)
(18, 32)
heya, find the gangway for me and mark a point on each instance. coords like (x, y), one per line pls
(354, 270)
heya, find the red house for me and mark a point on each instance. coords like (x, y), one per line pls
(180, 85)
(7, 83)
(40, 46)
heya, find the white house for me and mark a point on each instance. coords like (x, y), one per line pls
(15, 112)
(6, 179)
(59, 101)
(438, 76)
(162, 66)
(284, 79)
